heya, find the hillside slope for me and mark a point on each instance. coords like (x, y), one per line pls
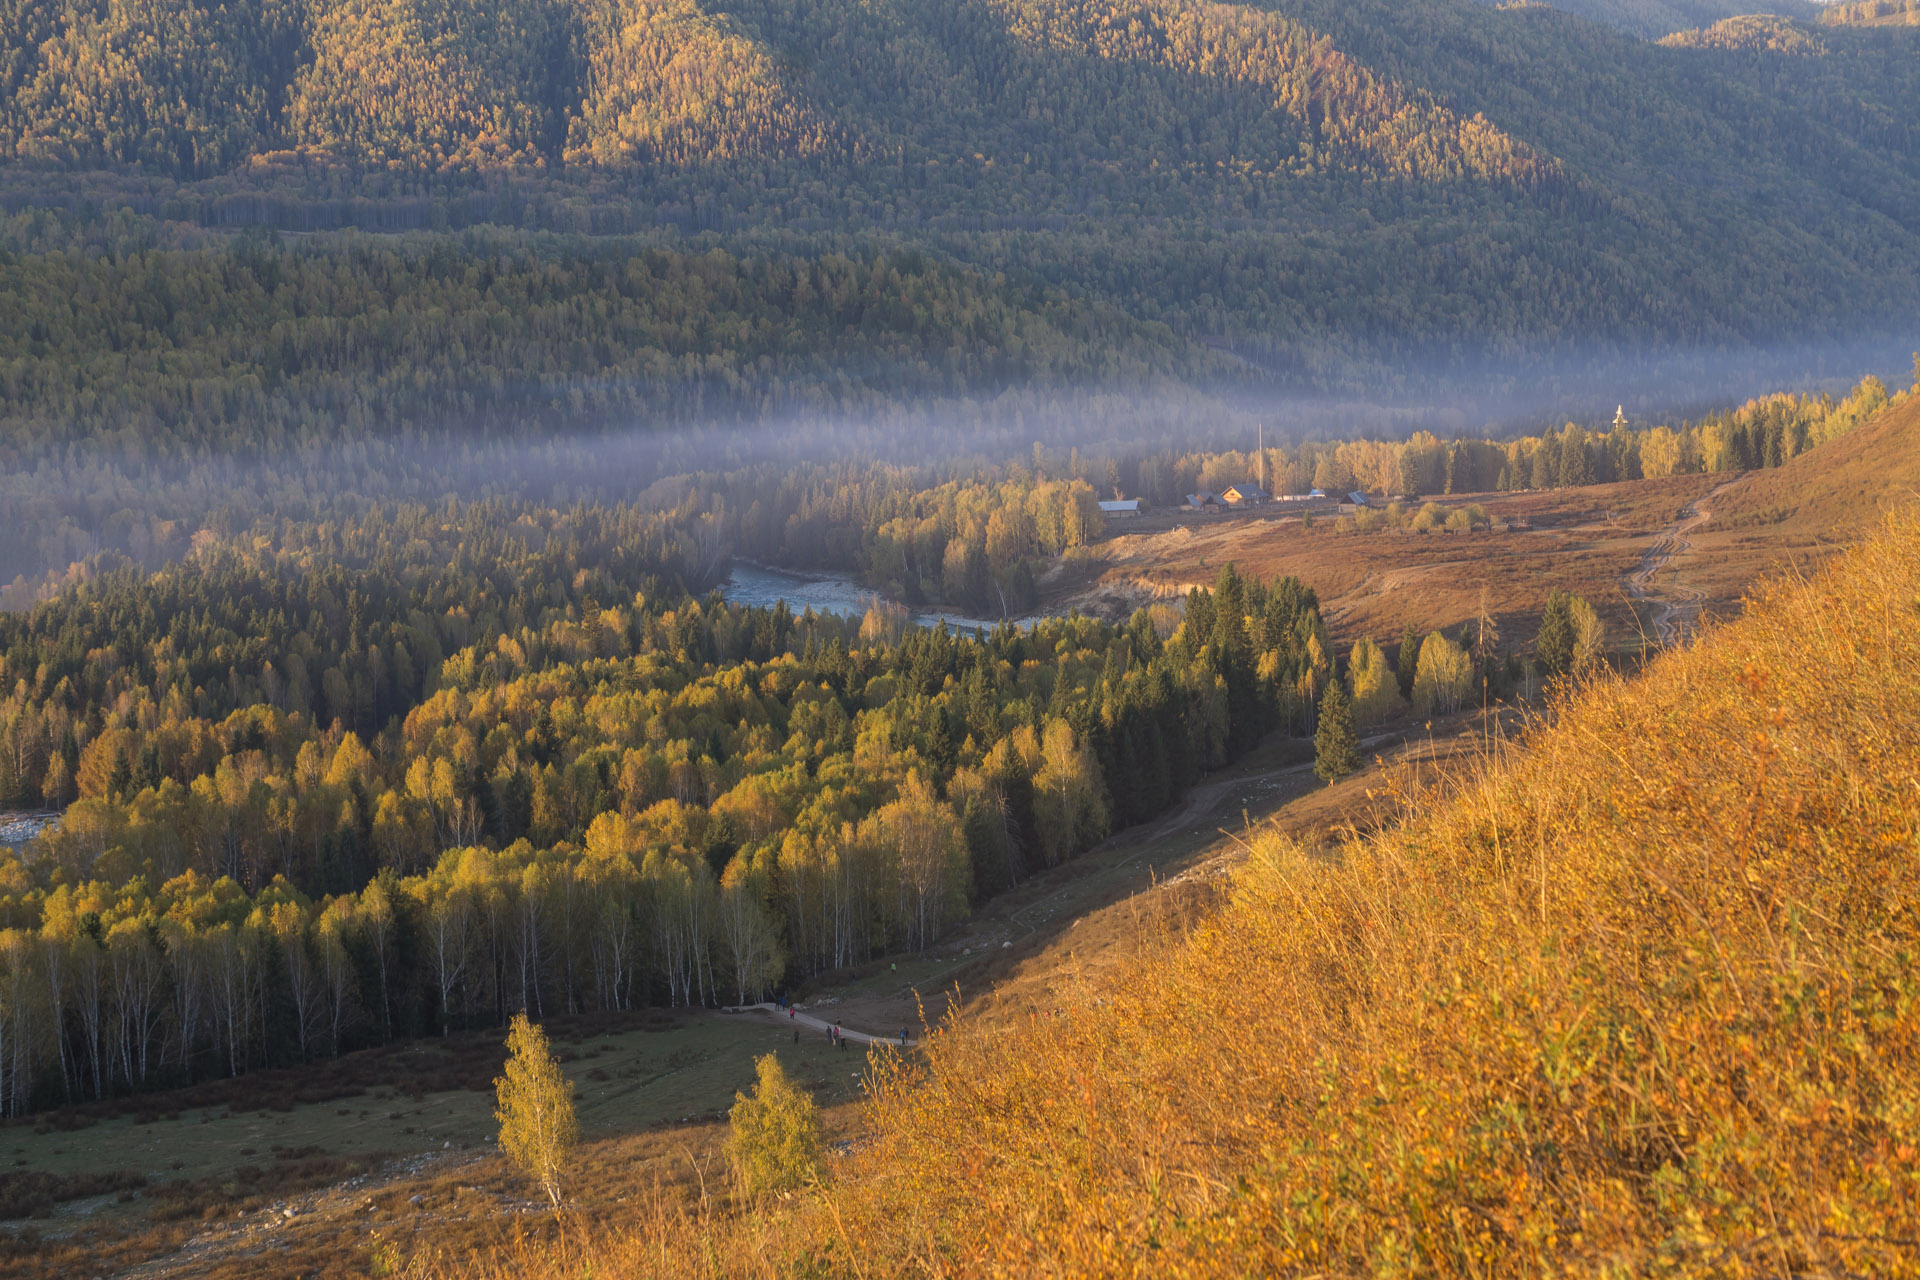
(1346, 189)
(1639, 999)
(1635, 998)
(1651, 19)
(1840, 488)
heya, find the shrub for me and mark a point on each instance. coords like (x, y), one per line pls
(773, 1143)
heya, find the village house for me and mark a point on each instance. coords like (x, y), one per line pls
(1121, 507)
(1244, 494)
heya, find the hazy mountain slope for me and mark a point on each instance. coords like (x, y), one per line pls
(1753, 34)
(428, 83)
(670, 82)
(1653, 18)
(1338, 183)
(1874, 13)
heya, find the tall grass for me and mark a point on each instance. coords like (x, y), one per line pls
(1637, 998)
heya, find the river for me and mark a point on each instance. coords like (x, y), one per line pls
(756, 584)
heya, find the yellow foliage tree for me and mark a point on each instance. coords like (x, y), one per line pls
(538, 1129)
(774, 1143)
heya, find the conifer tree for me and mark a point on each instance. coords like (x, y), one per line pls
(538, 1129)
(1407, 660)
(1553, 650)
(1336, 750)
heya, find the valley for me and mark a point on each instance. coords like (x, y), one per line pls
(872, 639)
(316, 1170)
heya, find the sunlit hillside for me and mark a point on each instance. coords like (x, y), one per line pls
(1635, 998)
(1841, 487)
(1317, 176)
(1651, 18)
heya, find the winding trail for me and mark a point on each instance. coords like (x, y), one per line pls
(1676, 609)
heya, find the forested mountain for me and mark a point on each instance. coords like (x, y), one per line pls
(256, 344)
(1654, 18)
(1873, 13)
(1331, 183)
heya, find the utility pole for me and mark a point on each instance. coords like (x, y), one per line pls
(1261, 479)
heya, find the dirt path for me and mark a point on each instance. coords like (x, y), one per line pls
(1201, 800)
(1676, 609)
(794, 1018)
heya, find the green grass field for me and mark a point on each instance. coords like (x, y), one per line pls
(626, 1082)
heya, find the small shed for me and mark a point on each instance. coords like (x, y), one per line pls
(1120, 507)
(1203, 501)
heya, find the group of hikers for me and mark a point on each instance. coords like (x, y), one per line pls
(834, 1034)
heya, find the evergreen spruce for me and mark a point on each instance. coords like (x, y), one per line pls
(1554, 648)
(1336, 749)
(1407, 660)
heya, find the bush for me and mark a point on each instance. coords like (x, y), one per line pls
(773, 1142)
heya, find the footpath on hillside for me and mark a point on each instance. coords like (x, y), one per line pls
(1676, 608)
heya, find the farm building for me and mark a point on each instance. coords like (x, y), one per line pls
(1245, 494)
(1120, 507)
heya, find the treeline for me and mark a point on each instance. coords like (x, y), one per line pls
(1750, 34)
(131, 678)
(1873, 12)
(976, 539)
(251, 344)
(590, 805)
(1765, 432)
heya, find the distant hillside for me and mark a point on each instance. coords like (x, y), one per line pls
(1756, 33)
(1874, 13)
(1840, 488)
(1349, 190)
(1651, 19)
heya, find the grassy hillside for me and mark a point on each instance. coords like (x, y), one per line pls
(1636, 998)
(1841, 487)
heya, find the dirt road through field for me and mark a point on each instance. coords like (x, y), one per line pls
(1676, 609)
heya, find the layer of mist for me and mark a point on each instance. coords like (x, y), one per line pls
(59, 509)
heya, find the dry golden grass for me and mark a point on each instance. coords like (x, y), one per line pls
(1585, 540)
(1637, 998)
